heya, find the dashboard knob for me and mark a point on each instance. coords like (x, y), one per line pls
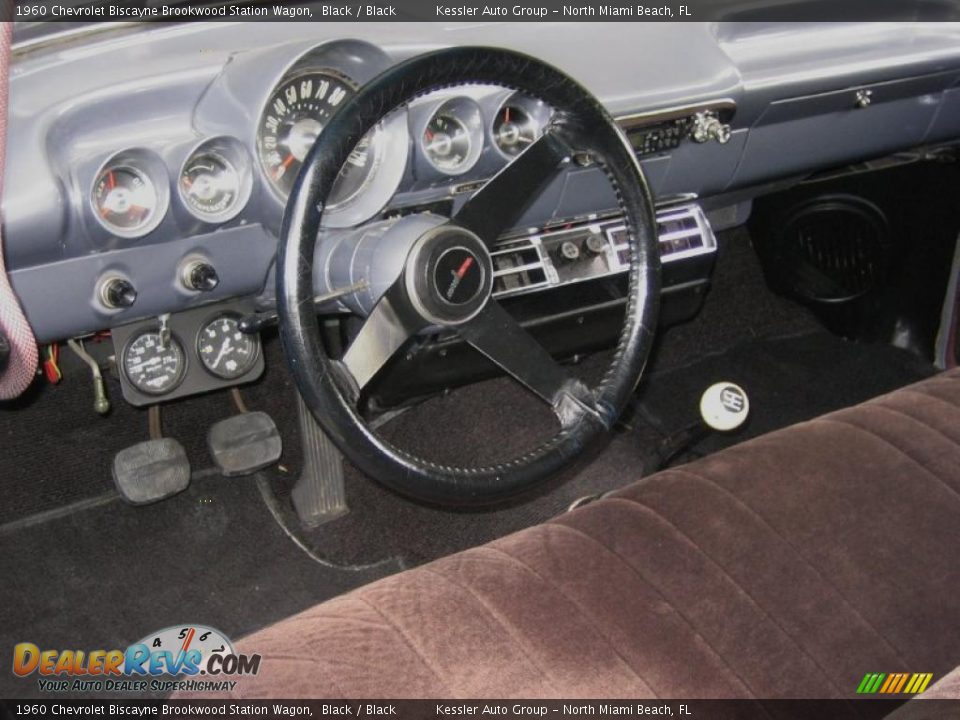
(707, 126)
(596, 244)
(117, 293)
(569, 251)
(200, 276)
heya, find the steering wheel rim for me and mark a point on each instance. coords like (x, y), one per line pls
(327, 386)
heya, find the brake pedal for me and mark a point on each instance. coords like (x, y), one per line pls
(245, 443)
(319, 495)
(151, 471)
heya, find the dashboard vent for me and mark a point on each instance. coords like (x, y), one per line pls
(683, 231)
(517, 265)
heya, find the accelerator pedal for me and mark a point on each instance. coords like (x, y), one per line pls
(151, 471)
(244, 443)
(319, 495)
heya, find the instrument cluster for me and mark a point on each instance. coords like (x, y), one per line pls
(445, 138)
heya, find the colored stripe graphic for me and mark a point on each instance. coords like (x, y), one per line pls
(894, 683)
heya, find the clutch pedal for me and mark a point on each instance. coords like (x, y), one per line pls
(244, 443)
(319, 495)
(151, 471)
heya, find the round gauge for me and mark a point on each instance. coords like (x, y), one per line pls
(125, 201)
(296, 112)
(447, 142)
(186, 638)
(210, 186)
(224, 350)
(153, 367)
(513, 130)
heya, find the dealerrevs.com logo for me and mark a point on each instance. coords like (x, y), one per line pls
(202, 657)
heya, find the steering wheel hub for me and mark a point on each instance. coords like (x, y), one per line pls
(449, 275)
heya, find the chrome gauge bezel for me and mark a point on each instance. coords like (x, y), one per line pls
(465, 111)
(389, 152)
(539, 112)
(392, 151)
(231, 153)
(150, 169)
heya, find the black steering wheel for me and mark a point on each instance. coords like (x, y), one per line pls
(447, 278)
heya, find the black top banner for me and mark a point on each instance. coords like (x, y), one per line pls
(83, 11)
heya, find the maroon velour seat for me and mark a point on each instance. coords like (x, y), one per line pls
(786, 566)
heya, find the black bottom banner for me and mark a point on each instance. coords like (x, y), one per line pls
(681, 709)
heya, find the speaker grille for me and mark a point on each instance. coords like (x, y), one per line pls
(834, 249)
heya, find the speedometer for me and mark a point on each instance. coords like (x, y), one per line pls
(295, 114)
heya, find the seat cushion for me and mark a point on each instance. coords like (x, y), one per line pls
(787, 566)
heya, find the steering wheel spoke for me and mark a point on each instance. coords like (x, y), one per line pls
(497, 335)
(498, 205)
(390, 324)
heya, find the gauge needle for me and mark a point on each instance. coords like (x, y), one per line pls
(224, 349)
(280, 170)
(111, 180)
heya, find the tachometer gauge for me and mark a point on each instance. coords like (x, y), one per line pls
(513, 130)
(210, 186)
(152, 366)
(447, 143)
(225, 351)
(295, 114)
(125, 201)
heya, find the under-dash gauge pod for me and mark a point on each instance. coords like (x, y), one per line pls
(724, 406)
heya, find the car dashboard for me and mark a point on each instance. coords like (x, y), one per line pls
(149, 168)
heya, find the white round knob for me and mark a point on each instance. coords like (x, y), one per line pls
(724, 406)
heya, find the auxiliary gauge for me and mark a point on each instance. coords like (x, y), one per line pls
(513, 130)
(224, 351)
(152, 366)
(126, 201)
(447, 143)
(210, 185)
(452, 138)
